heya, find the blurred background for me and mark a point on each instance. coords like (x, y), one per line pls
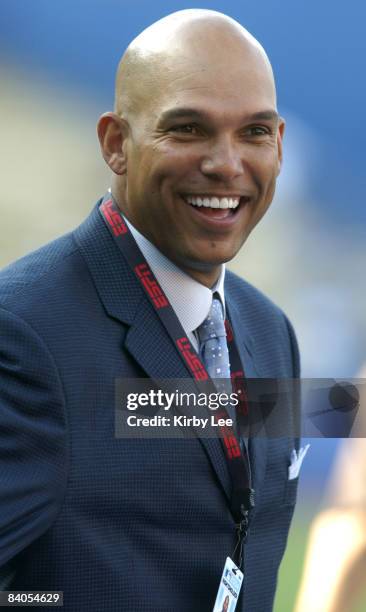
(57, 66)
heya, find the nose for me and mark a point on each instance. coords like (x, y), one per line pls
(224, 160)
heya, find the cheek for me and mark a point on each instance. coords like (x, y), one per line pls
(266, 160)
(266, 170)
(140, 175)
(174, 162)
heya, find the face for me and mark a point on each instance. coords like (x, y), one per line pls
(202, 161)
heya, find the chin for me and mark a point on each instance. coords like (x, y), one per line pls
(205, 264)
(221, 256)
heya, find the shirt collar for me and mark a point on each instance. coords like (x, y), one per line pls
(190, 300)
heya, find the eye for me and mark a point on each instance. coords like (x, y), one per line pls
(259, 130)
(188, 128)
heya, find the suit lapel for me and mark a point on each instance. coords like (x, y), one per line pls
(114, 282)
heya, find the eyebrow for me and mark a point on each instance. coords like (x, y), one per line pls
(192, 113)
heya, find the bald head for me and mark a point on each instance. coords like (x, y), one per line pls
(192, 41)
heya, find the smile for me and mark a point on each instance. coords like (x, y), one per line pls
(219, 212)
(213, 201)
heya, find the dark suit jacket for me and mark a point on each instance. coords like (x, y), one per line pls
(141, 525)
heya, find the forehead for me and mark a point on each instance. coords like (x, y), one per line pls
(231, 84)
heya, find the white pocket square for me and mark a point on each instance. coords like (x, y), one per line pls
(296, 460)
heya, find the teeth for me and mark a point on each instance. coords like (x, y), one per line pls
(213, 202)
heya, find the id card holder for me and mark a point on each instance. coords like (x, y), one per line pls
(229, 588)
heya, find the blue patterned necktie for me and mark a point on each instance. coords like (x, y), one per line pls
(213, 348)
(214, 353)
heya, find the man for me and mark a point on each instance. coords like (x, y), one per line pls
(195, 145)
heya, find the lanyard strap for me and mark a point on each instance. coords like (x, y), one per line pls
(242, 498)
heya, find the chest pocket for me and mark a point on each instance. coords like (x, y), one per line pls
(291, 492)
(277, 489)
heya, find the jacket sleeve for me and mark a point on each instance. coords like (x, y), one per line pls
(33, 448)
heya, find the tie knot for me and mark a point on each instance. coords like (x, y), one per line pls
(213, 326)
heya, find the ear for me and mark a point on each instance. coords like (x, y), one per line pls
(280, 133)
(112, 133)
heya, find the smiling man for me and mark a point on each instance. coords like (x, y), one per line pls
(140, 290)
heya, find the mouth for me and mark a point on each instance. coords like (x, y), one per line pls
(216, 207)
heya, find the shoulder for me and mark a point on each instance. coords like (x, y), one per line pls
(34, 269)
(251, 300)
(265, 322)
(47, 282)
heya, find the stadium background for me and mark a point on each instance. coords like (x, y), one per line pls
(57, 67)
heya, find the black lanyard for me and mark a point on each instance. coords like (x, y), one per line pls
(242, 495)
